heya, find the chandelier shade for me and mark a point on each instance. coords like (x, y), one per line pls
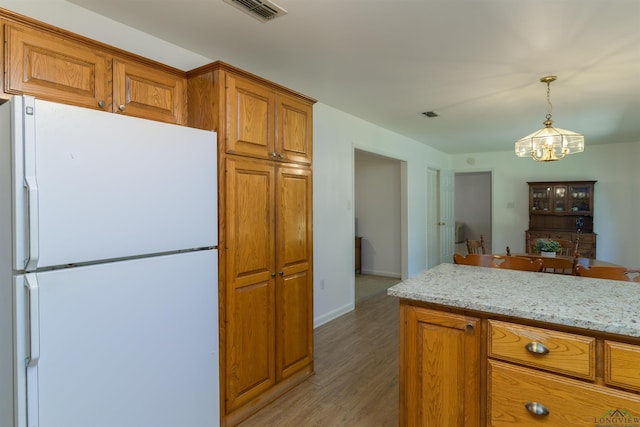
(549, 144)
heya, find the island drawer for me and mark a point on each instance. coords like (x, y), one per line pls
(560, 352)
(522, 396)
(622, 365)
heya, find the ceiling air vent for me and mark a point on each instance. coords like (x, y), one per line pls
(262, 10)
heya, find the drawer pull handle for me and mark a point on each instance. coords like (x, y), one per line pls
(536, 348)
(536, 408)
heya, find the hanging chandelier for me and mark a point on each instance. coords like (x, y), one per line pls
(549, 143)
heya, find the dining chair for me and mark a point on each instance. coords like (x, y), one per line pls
(476, 246)
(499, 261)
(609, 272)
(559, 265)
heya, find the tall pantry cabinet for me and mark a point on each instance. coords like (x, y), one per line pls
(265, 237)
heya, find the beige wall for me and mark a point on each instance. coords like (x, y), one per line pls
(617, 201)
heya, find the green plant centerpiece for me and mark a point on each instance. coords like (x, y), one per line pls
(547, 245)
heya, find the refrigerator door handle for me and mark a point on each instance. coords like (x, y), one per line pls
(30, 182)
(32, 202)
(33, 305)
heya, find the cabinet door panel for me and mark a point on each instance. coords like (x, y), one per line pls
(294, 260)
(621, 365)
(250, 230)
(294, 218)
(294, 296)
(249, 118)
(294, 130)
(55, 68)
(250, 343)
(250, 285)
(440, 369)
(141, 91)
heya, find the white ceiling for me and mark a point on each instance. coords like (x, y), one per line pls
(477, 63)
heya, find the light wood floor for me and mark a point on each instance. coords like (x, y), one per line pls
(369, 285)
(356, 380)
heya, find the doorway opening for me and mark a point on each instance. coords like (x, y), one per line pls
(379, 223)
(473, 209)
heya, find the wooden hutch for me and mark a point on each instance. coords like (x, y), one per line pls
(562, 210)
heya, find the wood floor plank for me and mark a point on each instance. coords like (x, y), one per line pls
(356, 380)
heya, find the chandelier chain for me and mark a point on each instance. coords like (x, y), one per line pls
(549, 105)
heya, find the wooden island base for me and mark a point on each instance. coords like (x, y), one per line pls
(464, 367)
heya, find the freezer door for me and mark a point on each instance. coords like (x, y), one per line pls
(100, 186)
(128, 344)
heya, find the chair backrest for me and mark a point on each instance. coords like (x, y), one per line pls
(499, 261)
(476, 246)
(559, 265)
(517, 263)
(481, 260)
(566, 247)
(609, 272)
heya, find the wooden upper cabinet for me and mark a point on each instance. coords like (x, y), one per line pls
(264, 123)
(573, 198)
(62, 69)
(294, 129)
(142, 91)
(44, 65)
(249, 118)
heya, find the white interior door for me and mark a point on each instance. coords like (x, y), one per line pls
(127, 344)
(440, 216)
(433, 217)
(447, 215)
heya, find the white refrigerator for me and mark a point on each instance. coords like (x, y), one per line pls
(108, 270)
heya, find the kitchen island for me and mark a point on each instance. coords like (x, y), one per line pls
(492, 347)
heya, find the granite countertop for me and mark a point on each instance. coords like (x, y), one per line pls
(600, 305)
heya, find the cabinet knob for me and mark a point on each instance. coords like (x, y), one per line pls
(281, 273)
(273, 274)
(281, 155)
(101, 103)
(121, 107)
(536, 408)
(468, 327)
(536, 348)
(273, 154)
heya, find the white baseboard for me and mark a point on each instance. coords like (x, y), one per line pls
(334, 314)
(381, 273)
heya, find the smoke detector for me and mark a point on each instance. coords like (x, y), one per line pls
(262, 10)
